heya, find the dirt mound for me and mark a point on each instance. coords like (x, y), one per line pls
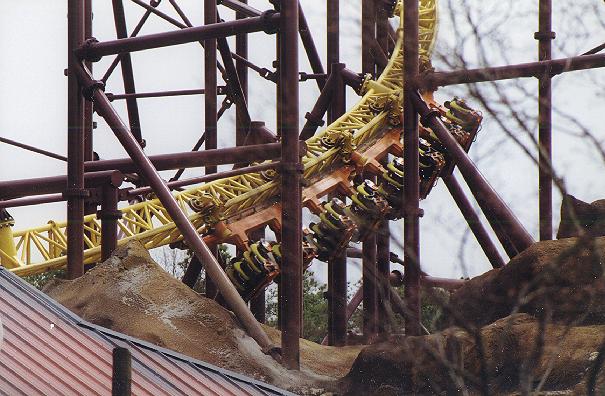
(132, 294)
(451, 362)
(563, 278)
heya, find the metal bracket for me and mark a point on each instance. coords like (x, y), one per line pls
(88, 90)
(314, 119)
(545, 36)
(109, 214)
(88, 44)
(76, 193)
(418, 213)
(424, 118)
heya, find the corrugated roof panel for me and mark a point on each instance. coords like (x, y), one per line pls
(47, 350)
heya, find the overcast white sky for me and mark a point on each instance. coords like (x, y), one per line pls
(33, 110)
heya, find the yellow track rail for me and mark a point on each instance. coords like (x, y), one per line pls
(43, 248)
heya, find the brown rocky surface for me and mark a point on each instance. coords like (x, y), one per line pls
(578, 215)
(132, 294)
(563, 277)
(449, 361)
(540, 320)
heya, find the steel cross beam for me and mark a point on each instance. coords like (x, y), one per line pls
(191, 159)
(94, 50)
(531, 69)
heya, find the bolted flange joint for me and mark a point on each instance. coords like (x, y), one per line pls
(426, 117)
(89, 87)
(268, 26)
(82, 52)
(314, 119)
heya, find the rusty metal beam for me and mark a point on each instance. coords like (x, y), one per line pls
(545, 35)
(531, 69)
(109, 216)
(369, 279)
(210, 105)
(191, 159)
(473, 221)
(55, 184)
(75, 144)
(33, 149)
(411, 172)
(94, 50)
(241, 49)
(291, 192)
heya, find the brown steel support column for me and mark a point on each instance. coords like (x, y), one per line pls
(241, 49)
(89, 208)
(258, 307)
(291, 235)
(192, 272)
(383, 266)
(332, 44)
(545, 35)
(382, 28)
(75, 145)
(258, 303)
(210, 105)
(109, 216)
(474, 223)
(369, 272)
(190, 235)
(370, 289)
(496, 211)
(368, 35)
(88, 107)
(337, 266)
(383, 236)
(411, 187)
(127, 72)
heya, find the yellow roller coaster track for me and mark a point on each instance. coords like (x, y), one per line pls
(251, 198)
